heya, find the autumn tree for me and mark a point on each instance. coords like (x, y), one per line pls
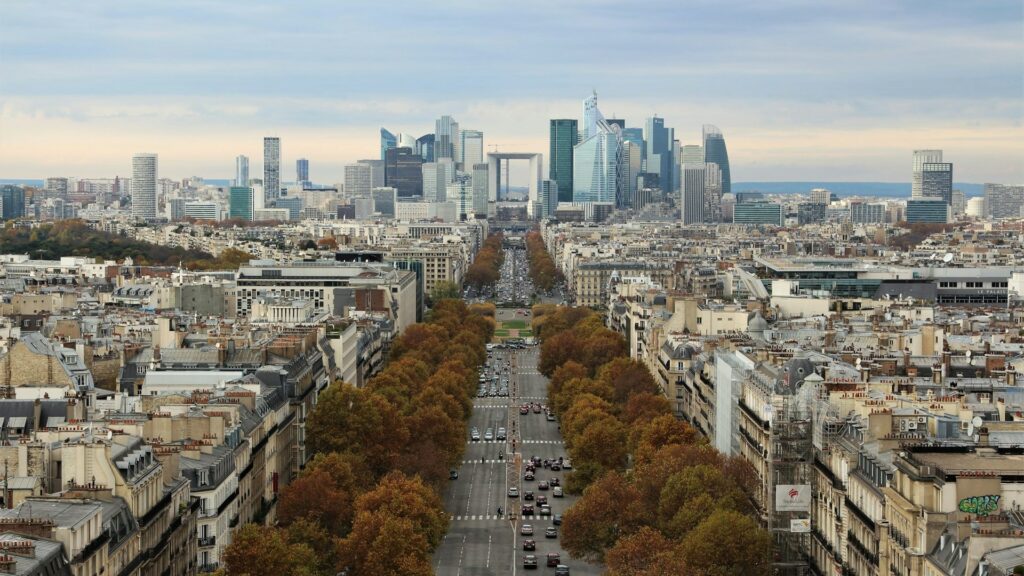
(644, 553)
(606, 511)
(444, 289)
(256, 550)
(382, 544)
(409, 498)
(324, 493)
(727, 543)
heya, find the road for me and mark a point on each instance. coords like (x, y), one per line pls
(479, 543)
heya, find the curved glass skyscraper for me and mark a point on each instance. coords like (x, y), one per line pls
(387, 142)
(716, 153)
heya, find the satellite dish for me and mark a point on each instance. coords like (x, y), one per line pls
(970, 430)
(933, 256)
(968, 354)
(948, 257)
(976, 422)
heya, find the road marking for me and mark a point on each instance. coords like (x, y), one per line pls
(541, 441)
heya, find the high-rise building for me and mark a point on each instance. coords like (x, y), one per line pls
(712, 192)
(376, 172)
(595, 174)
(57, 187)
(716, 152)
(564, 137)
(144, 176)
(692, 204)
(480, 189)
(922, 157)
(865, 213)
(959, 202)
(933, 211)
(403, 172)
(302, 170)
(821, 196)
(1004, 201)
(203, 211)
(387, 142)
(436, 177)
(12, 202)
(692, 154)
(810, 213)
(636, 136)
(937, 181)
(241, 170)
(620, 122)
(660, 159)
(548, 198)
(758, 213)
(358, 180)
(384, 200)
(271, 169)
(631, 165)
(472, 148)
(240, 202)
(446, 138)
(425, 147)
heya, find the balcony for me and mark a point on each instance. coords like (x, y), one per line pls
(207, 541)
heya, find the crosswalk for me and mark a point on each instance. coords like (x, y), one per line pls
(464, 462)
(470, 442)
(479, 517)
(541, 441)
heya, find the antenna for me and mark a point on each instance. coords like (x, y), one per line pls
(948, 257)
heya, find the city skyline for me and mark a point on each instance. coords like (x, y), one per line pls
(850, 108)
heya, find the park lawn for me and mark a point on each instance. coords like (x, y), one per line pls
(515, 324)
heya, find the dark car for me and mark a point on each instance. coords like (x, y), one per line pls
(530, 562)
(528, 476)
(453, 474)
(529, 544)
(528, 495)
(557, 520)
(527, 510)
(551, 532)
(524, 410)
(542, 500)
(554, 482)
(554, 559)
(562, 570)
(542, 485)
(555, 466)
(536, 408)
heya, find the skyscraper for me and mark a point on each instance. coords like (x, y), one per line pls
(358, 180)
(937, 181)
(548, 198)
(271, 169)
(693, 193)
(425, 147)
(144, 176)
(715, 151)
(403, 172)
(446, 138)
(480, 190)
(436, 177)
(302, 170)
(660, 159)
(376, 172)
(922, 157)
(472, 148)
(632, 162)
(240, 202)
(12, 202)
(692, 154)
(1004, 201)
(595, 176)
(387, 142)
(564, 136)
(241, 170)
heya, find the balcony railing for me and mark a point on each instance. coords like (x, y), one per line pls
(205, 541)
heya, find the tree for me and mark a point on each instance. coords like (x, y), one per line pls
(382, 544)
(692, 494)
(324, 493)
(648, 438)
(256, 550)
(558, 350)
(408, 497)
(637, 554)
(627, 376)
(725, 544)
(444, 289)
(327, 243)
(644, 407)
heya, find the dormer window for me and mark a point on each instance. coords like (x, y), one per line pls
(204, 477)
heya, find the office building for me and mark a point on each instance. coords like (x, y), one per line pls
(12, 202)
(460, 193)
(203, 211)
(692, 204)
(384, 200)
(716, 152)
(271, 169)
(376, 172)
(865, 213)
(758, 213)
(240, 202)
(480, 189)
(548, 198)
(406, 141)
(425, 147)
(629, 172)
(436, 177)
(302, 171)
(810, 213)
(691, 154)
(660, 159)
(403, 172)
(937, 181)
(472, 148)
(959, 202)
(293, 204)
(387, 142)
(922, 157)
(620, 122)
(1004, 201)
(930, 211)
(636, 136)
(564, 137)
(358, 180)
(595, 175)
(446, 138)
(241, 170)
(57, 187)
(144, 176)
(742, 197)
(712, 192)
(821, 196)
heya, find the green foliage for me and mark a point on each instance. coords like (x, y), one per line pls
(443, 290)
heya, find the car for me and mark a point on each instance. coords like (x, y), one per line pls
(453, 474)
(554, 559)
(555, 466)
(561, 570)
(557, 492)
(475, 436)
(524, 410)
(528, 476)
(550, 417)
(542, 500)
(530, 562)
(542, 485)
(566, 464)
(528, 495)
(556, 519)
(489, 435)
(536, 408)
(526, 530)
(527, 510)
(545, 510)
(554, 482)
(551, 532)
(513, 492)
(529, 544)
(501, 433)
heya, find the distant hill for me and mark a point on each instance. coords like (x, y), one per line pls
(841, 189)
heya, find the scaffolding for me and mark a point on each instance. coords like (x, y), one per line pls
(790, 462)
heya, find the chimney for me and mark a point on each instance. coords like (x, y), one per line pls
(983, 437)
(37, 413)
(906, 361)
(946, 359)
(1011, 376)
(1001, 408)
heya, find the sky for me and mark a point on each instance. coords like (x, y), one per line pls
(839, 90)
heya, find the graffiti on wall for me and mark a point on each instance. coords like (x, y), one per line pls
(980, 505)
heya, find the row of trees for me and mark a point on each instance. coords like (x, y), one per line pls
(657, 498)
(369, 502)
(542, 268)
(486, 267)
